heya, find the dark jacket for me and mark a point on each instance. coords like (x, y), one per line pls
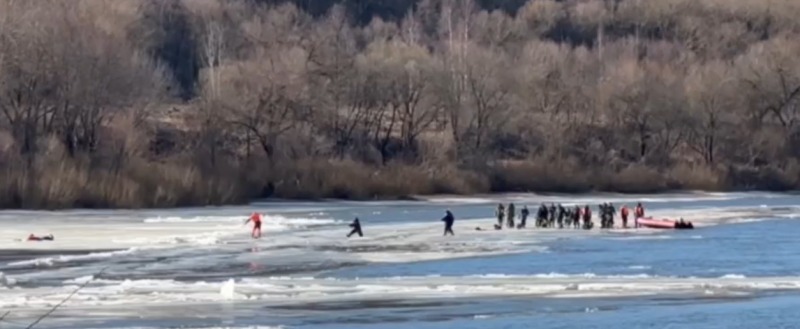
(449, 218)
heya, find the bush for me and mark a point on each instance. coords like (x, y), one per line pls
(764, 178)
(65, 182)
(345, 179)
(538, 175)
(699, 178)
(632, 179)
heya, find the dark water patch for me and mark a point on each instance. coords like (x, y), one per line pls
(360, 320)
(402, 248)
(375, 248)
(371, 304)
(698, 299)
(229, 270)
(15, 255)
(344, 314)
(50, 260)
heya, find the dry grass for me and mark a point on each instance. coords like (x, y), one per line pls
(59, 182)
(701, 178)
(72, 183)
(565, 176)
(632, 179)
(539, 175)
(352, 180)
(771, 177)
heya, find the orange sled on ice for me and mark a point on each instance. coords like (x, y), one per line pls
(650, 222)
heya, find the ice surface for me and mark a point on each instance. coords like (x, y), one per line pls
(290, 291)
(228, 290)
(186, 258)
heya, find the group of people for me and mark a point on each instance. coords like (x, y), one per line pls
(546, 217)
(561, 217)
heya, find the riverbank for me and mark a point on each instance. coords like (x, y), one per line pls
(139, 184)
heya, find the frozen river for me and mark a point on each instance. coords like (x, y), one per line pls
(198, 267)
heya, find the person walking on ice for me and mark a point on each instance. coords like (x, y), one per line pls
(448, 220)
(356, 225)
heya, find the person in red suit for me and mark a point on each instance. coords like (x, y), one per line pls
(256, 219)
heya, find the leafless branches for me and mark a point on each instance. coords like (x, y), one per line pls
(218, 86)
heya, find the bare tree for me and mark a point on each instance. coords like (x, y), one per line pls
(540, 16)
(213, 48)
(25, 82)
(266, 98)
(541, 78)
(711, 97)
(772, 73)
(455, 32)
(341, 103)
(403, 81)
(496, 29)
(87, 63)
(632, 106)
(488, 89)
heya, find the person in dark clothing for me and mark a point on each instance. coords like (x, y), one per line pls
(684, 224)
(576, 217)
(524, 217)
(541, 219)
(611, 213)
(501, 214)
(605, 215)
(511, 212)
(603, 210)
(448, 220)
(587, 217)
(561, 213)
(552, 213)
(356, 225)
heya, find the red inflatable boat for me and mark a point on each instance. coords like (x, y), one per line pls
(650, 222)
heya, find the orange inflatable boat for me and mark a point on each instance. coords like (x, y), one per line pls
(650, 222)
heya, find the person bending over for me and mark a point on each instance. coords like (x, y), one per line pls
(256, 219)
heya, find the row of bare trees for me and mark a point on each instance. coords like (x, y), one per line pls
(247, 99)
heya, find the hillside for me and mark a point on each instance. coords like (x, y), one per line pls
(146, 103)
